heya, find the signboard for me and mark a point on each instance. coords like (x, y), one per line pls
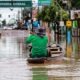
(75, 24)
(74, 12)
(68, 24)
(27, 3)
(44, 2)
(61, 23)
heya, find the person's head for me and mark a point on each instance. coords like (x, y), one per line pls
(41, 32)
(75, 15)
(34, 19)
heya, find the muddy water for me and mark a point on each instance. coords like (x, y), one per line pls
(13, 64)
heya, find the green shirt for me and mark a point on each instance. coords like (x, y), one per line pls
(39, 45)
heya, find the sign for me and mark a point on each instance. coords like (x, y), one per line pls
(75, 24)
(44, 2)
(73, 12)
(61, 23)
(68, 24)
(27, 3)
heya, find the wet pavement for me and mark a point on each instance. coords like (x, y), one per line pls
(13, 64)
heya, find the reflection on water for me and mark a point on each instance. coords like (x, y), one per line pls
(69, 50)
(14, 69)
(13, 64)
(10, 47)
(73, 50)
(76, 47)
(39, 74)
(63, 71)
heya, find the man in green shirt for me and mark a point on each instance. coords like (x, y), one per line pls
(39, 44)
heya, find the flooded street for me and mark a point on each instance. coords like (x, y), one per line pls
(13, 64)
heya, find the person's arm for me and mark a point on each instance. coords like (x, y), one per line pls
(28, 39)
(31, 32)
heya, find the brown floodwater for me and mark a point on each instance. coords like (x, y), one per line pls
(14, 65)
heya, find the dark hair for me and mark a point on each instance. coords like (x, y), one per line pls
(41, 32)
(75, 15)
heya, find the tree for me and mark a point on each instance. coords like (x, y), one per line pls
(51, 13)
(47, 14)
(76, 3)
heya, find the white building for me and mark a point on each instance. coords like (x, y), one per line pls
(10, 13)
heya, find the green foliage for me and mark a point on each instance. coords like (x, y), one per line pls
(76, 3)
(47, 14)
(65, 15)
